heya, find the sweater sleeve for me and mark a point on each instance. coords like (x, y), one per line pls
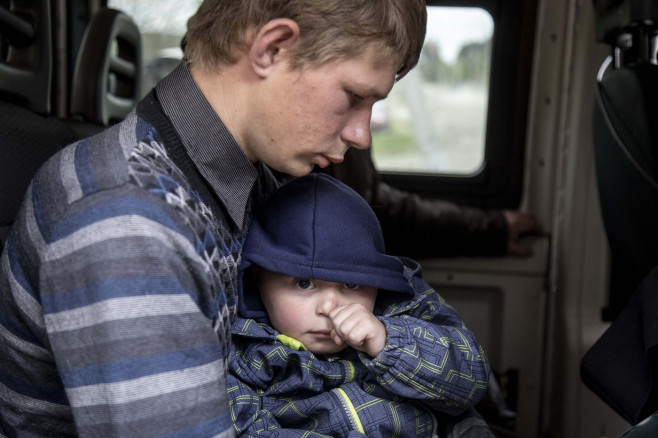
(421, 227)
(133, 328)
(430, 356)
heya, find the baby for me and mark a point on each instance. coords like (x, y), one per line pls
(336, 338)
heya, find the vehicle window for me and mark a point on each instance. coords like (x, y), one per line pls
(434, 120)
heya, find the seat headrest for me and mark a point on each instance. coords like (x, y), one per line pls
(26, 70)
(106, 81)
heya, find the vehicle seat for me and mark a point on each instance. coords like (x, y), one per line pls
(626, 154)
(107, 77)
(106, 87)
(622, 366)
(28, 135)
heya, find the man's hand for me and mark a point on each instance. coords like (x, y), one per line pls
(519, 223)
(359, 328)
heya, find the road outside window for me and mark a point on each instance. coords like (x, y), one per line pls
(434, 120)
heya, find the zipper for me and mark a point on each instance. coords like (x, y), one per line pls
(349, 370)
(348, 410)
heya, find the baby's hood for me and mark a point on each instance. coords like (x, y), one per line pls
(317, 227)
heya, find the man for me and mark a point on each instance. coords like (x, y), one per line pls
(119, 279)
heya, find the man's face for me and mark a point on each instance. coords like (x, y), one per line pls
(312, 115)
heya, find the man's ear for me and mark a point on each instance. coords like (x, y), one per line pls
(276, 36)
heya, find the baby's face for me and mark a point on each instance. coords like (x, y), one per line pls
(299, 307)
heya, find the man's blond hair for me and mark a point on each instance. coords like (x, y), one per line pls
(330, 29)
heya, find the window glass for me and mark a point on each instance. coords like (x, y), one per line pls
(434, 120)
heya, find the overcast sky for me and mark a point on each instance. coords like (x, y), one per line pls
(454, 27)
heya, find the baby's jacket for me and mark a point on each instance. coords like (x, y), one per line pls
(431, 370)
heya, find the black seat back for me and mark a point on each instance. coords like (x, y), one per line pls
(105, 88)
(106, 82)
(28, 136)
(626, 153)
(626, 142)
(26, 64)
(622, 366)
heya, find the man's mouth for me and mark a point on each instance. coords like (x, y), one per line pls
(326, 160)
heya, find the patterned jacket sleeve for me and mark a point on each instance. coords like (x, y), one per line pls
(430, 356)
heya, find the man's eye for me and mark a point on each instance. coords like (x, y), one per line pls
(355, 97)
(351, 286)
(304, 283)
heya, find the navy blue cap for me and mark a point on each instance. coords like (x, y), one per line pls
(317, 227)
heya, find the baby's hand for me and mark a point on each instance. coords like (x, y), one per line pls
(359, 328)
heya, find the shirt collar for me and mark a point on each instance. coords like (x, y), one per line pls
(210, 145)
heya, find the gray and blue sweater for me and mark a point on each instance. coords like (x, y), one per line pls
(118, 283)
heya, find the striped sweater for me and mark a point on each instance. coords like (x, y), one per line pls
(118, 282)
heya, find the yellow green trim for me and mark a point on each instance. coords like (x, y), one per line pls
(291, 343)
(347, 404)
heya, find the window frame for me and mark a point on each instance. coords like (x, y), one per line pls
(499, 183)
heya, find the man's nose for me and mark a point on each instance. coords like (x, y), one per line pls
(357, 132)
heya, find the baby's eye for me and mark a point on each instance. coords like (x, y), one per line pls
(304, 283)
(351, 286)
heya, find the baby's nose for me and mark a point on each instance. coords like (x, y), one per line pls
(327, 302)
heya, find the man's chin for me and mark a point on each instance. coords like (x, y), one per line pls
(299, 170)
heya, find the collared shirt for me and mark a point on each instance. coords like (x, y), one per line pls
(208, 142)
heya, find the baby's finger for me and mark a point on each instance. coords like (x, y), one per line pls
(336, 338)
(340, 315)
